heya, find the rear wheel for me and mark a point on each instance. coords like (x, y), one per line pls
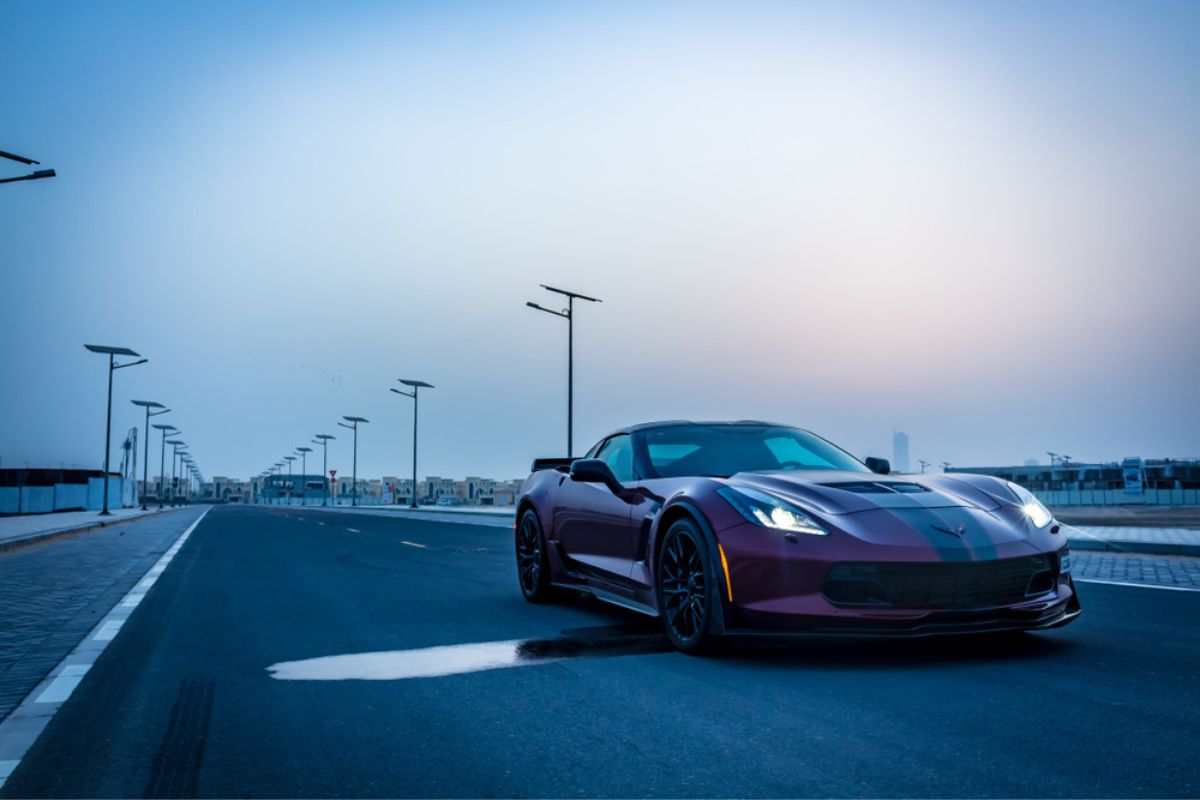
(533, 567)
(686, 590)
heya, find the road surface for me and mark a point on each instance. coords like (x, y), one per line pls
(183, 701)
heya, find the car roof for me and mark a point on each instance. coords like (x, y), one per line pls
(678, 423)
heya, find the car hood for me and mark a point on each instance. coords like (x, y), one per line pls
(834, 492)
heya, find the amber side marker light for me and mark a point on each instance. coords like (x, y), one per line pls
(725, 566)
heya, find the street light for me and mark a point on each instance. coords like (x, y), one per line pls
(416, 387)
(569, 315)
(923, 464)
(354, 427)
(289, 460)
(165, 431)
(112, 353)
(304, 451)
(36, 175)
(148, 404)
(323, 440)
(175, 445)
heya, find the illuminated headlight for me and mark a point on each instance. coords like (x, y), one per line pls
(770, 511)
(1031, 507)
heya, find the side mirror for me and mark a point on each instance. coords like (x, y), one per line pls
(593, 470)
(879, 466)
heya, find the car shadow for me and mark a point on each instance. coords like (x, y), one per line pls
(633, 634)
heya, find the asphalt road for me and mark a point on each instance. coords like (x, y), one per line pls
(182, 704)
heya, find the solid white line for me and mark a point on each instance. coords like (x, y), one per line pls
(1138, 585)
(25, 724)
(414, 544)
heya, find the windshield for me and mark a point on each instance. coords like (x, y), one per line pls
(722, 450)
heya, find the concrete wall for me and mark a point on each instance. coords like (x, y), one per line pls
(62, 497)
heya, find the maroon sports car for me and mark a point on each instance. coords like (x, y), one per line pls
(751, 528)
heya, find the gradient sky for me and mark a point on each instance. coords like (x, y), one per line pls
(977, 223)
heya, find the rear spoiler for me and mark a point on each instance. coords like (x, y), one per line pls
(561, 464)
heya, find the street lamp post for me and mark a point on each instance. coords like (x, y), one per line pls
(175, 445)
(165, 431)
(323, 440)
(289, 460)
(354, 427)
(416, 388)
(148, 404)
(569, 315)
(304, 451)
(112, 353)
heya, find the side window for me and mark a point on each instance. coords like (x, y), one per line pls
(617, 452)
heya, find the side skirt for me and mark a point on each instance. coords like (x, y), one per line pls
(610, 598)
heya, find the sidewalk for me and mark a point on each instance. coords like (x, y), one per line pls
(29, 528)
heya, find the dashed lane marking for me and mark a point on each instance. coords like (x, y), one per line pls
(414, 544)
(354, 530)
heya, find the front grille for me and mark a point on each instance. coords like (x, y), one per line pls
(972, 584)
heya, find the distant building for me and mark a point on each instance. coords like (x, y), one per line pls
(1159, 473)
(900, 451)
(1031, 462)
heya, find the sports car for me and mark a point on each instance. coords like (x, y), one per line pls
(739, 529)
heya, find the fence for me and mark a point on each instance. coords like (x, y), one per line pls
(64, 497)
(1117, 497)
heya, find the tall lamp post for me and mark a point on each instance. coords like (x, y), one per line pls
(416, 388)
(569, 315)
(164, 431)
(36, 175)
(304, 451)
(148, 404)
(113, 366)
(354, 427)
(323, 440)
(289, 460)
(175, 445)
(278, 474)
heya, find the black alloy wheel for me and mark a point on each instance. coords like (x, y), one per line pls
(686, 592)
(533, 570)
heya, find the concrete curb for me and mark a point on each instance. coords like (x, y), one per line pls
(42, 536)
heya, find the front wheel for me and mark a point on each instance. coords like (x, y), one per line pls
(533, 567)
(686, 591)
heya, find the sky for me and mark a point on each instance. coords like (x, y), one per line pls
(973, 222)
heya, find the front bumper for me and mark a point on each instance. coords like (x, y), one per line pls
(778, 589)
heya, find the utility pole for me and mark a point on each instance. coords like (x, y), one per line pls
(568, 314)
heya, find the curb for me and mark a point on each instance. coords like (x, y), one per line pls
(1134, 548)
(42, 536)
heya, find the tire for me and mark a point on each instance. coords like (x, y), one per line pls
(687, 588)
(533, 566)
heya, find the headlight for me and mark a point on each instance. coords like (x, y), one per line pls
(1031, 507)
(770, 511)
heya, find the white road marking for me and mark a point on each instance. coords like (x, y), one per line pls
(413, 544)
(354, 530)
(62, 686)
(108, 631)
(320, 523)
(392, 665)
(1139, 585)
(22, 727)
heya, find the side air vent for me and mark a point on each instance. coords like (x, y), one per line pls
(878, 487)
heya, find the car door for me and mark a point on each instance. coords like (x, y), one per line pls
(592, 524)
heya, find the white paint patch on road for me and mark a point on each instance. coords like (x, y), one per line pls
(321, 523)
(25, 724)
(393, 665)
(354, 530)
(413, 544)
(1138, 585)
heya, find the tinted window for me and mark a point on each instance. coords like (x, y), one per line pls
(723, 450)
(617, 452)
